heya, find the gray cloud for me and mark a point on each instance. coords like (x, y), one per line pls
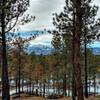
(43, 10)
(45, 6)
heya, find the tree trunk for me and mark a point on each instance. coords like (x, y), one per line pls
(73, 49)
(30, 83)
(19, 73)
(85, 57)
(16, 81)
(74, 92)
(89, 85)
(37, 87)
(78, 22)
(5, 80)
(69, 81)
(64, 85)
(44, 89)
(27, 87)
(40, 86)
(58, 86)
(22, 83)
(94, 83)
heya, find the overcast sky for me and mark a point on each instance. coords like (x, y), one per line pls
(43, 10)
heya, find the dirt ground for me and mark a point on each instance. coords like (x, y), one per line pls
(37, 98)
(27, 97)
(41, 98)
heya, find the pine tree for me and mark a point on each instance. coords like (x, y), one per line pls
(65, 24)
(88, 22)
(10, 11)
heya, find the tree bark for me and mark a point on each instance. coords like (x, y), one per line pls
(5, 80)
(85, 56)
(78, 22)
(73, 49)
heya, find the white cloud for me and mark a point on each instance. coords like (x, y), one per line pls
(43, 10)
(42, 39)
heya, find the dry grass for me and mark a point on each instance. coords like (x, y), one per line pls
(27, 97)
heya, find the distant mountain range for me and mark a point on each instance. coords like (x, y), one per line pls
(96, 50)
(46, 49)
(41, 49)
(28, 33)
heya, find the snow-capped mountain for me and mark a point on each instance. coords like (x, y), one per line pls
(96, 50)
(41, 49)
